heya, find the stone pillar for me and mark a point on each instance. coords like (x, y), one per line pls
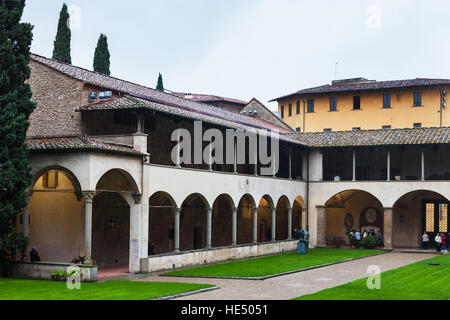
(137, 249)
(290, 163)
(388, 228)
(354, 166)
(422, 165)
(235, 158)
(274, 225)
(177, 230)
(255, 225)
(208, 227)
(321, 226)
(304, 219)
(289, 223)
(388, 165)
(234, 227)
(26, 224)
(89, 199)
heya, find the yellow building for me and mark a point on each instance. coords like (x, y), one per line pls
(361, 104)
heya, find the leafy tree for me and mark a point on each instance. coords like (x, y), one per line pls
(61, 49)
(160, 85)
(15, 108)
(102, 56)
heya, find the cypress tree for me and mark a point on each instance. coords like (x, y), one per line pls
(160, 85)
(61, 49)
(101, 56)
(15, 109)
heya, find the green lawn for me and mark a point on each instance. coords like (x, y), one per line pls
(418, 281)
(266, 266)
(12, 289)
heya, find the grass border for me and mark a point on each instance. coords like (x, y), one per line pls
(276, 274)
(185, 294)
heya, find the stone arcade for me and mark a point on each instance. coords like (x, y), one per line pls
(104, 184)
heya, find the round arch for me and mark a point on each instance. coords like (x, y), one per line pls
(117, 180)
(193, 222)
(351, 210)
(161, 231)
(245, 209)
(69, 174)
(222, 221)
(417, 212)
(283, 209)
(265, 207)
(55, 219)
(298, 214)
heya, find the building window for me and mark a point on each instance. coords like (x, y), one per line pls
(282, 112)
(357, 103)
(417, 99)
(333, 104)
(386, 127)
(356, 129)
(387, 101)
(310, 106)
(290, 109)
(327, 130)
(298, 129)
(298, 107)
(417, 125)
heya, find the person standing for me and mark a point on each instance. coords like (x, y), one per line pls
(443, 243)
(425, 240)
(358, 238)
(437, 239)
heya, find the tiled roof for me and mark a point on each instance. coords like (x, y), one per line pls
(78, 144)
(417, 136)
(128, 102)
(369, 85)
(135, 90)
(208, 98)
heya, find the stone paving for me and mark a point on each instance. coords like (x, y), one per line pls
(297, 284)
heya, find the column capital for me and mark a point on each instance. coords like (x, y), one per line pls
(89, 195)
(289, 209)
(137, 198)
(388, 208)
(177, 210)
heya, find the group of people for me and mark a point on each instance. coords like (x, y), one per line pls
(441, 240)
(366, 233)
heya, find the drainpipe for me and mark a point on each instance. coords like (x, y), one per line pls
(307, 191)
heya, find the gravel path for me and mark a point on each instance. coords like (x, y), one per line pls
(297, 284)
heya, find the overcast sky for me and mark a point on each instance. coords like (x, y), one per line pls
(253, 48)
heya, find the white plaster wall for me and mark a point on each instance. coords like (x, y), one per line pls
(180, 183)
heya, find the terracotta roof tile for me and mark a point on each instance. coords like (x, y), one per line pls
(149, 94)
(416, 136)
(78, 144)
(369, 86)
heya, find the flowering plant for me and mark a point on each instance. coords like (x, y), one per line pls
(84, 261)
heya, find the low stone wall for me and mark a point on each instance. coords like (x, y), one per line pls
(201, 257)
(43, 270)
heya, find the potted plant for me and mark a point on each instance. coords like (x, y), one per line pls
(88, 268)
(353, 242)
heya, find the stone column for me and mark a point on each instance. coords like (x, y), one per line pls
(289, 223)
(290, 163)
(88, 201)
(208, 227)
(177, 230)
(321, 226)
(388, 228)
(255, 225)
(388, 165)
(422, 165)
(354, 166)
(235, 158)
(274, 225)
(26, 223)
(304, 219)
(234, 227)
